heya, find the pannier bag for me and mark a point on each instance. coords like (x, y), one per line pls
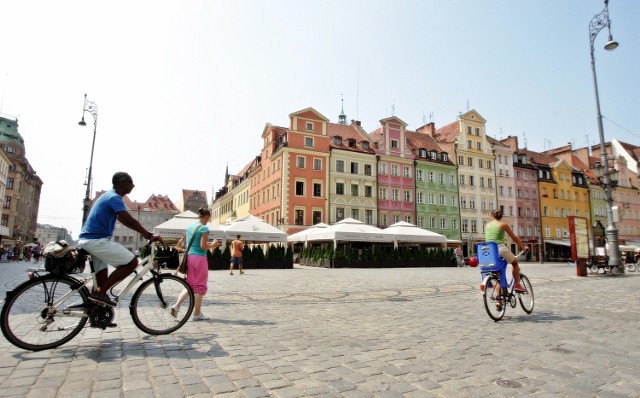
(60, 258)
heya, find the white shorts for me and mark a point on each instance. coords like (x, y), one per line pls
(105, 252)
(506, 253)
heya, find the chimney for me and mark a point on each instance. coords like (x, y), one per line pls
(427, 129)
(356, 122)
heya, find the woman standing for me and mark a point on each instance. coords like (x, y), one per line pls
(197, 264)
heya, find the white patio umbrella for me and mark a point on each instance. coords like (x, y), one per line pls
(406, 232)
(301, 236)
(351, 230)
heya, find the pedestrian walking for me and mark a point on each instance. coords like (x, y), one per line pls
(197, 264)
(236, 255)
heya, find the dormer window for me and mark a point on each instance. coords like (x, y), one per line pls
(432, 154)
(11, 149)
(337, 141)
(394, 143)
(351, 143)
(309, 126)
(445, 156)
(365, 145)
(423, 153)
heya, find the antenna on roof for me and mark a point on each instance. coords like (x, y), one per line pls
(467, 105)
(430, 116)
(393, 109)
(524, 138)
(500, 131)
(424, 119)
(586, 139)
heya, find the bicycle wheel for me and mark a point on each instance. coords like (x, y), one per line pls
(526, 299)
(29, 319)
(494, 303)
(151, 304)
(631, 267)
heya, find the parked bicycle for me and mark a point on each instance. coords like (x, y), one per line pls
(51, 308)
(632, 267)
(497, 289)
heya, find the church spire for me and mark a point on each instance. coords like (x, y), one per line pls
(342, 118)
(226, 175)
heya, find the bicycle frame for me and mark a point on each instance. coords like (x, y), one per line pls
(146, 264)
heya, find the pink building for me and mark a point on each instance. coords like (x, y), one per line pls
(395, 173)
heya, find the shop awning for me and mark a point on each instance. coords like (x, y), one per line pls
(558, 242)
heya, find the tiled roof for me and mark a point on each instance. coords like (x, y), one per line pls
(187, 193)
(375, 134)
(634, 150)
(417, 141)
(448, 133)
(159, 202)
(539, 158)
(347, 132)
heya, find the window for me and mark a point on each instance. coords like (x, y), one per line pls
(382, 193)
(317, 190)
(480, 163)
(407, 196)
(406, 171)
(443, 200)
(308, 141)
(462, 179)
(469, 144)
(354, 168)
(419, 175)
(479, 145)
(309, 126)
(469, 130)
(472, 202)
(477, 131)
(367, 169)
(383, 220)
(339, 214)
(299, 188)
(454, 200)
(368, 191)
(299, 217)
(454, 223)
(355, 214)
(510, 190)
(395, 195)
(461, 160)
(490, 182)
(431, 198)
(317, 217)
(407, 218)
(394, 169)
(421, 221)
(445, 157)
(394, 143)
(368, 217)
(337, 141)
(354, 190)
(11, 149)
(420, 197)
(463, 202)
(7, 202)
(474, 226)
(471, 180)
(430, 176)
(317, 164)
(382, 168)
(443, 223)
(300, 162)
(365, 145)
(465, 225)
(351, 143)
(501, 190)
(396, 218)
(481, 182)
(5, 220)
(9, 182)
(489, 164)
(441, 178)
(452, 179)
(339, 188)
(470, 161)
(340, 166)
(432, 222)
(483, 203)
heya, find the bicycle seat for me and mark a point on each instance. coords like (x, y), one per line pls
(489, 259)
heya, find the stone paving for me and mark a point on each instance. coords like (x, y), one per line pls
(308, 332)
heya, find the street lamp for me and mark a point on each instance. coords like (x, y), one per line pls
(92, 108)
(598, 22)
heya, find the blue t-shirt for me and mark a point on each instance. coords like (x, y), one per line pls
(102, 218)
(199, 230)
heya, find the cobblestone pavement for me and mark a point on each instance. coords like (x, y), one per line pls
(305, 332)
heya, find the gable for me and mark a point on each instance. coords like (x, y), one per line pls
(309, 113)
(473, 116)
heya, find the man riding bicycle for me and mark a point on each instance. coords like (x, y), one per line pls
(494, 232)
(96, 235)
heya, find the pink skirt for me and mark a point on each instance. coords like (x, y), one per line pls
(197, 273)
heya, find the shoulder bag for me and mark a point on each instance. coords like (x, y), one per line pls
(182, 268)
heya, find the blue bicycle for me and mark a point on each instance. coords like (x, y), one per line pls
(497, 290)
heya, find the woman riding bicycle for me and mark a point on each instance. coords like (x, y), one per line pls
(494, 232)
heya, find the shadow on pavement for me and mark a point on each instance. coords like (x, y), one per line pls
(243, 322)
(542, 317)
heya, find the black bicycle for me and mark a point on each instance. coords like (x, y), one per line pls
(48, 310)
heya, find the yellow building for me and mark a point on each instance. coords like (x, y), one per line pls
(564, 192)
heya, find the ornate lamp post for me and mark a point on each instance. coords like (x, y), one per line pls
(92, 108)
(599, 22)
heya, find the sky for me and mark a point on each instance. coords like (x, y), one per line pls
(185, 88)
